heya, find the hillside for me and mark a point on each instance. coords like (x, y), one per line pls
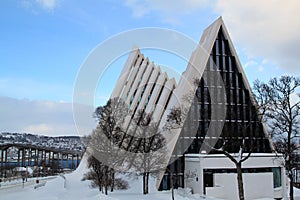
(62, 142)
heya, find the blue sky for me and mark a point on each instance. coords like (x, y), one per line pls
(44, 43)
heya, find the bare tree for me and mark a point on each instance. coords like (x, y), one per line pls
(118, 149)
(237, 159)
(282, 116)
(105, 141)
(96, 172)
(149, 147)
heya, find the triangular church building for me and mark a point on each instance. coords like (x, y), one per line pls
(221, 113)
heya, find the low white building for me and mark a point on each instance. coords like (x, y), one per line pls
(214, 175)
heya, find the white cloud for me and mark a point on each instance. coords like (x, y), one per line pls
(261, 68)
(265, 28)
(250, 63)
(169, 9)
(139, 8)
(39, 128)
(43, 117)
(47, 4)
(35, 5)
(255, 65)
(265, 61)
(20, 87)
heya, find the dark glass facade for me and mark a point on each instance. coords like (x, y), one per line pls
(240, 124)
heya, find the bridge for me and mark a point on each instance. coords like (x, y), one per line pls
(50, 158)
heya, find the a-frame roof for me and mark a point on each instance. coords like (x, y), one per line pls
(207, 41)
(195, 69)
(198, 62)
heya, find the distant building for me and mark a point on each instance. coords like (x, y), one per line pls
(222, 109)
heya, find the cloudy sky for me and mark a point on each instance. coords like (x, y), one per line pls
(45, 42)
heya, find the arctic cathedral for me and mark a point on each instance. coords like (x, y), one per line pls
(221, 113)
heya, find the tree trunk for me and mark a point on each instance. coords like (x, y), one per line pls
(99, 184)
(291, 186)
(172, 185)
(106, 179)
(240, 180)
(106, 187)
(173, 198)
(99, 181)
(145, 182)
(112, 180)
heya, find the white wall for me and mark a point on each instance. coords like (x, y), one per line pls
(193, 171)
(256, 185)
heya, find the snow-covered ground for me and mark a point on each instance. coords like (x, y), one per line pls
(70, 187)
